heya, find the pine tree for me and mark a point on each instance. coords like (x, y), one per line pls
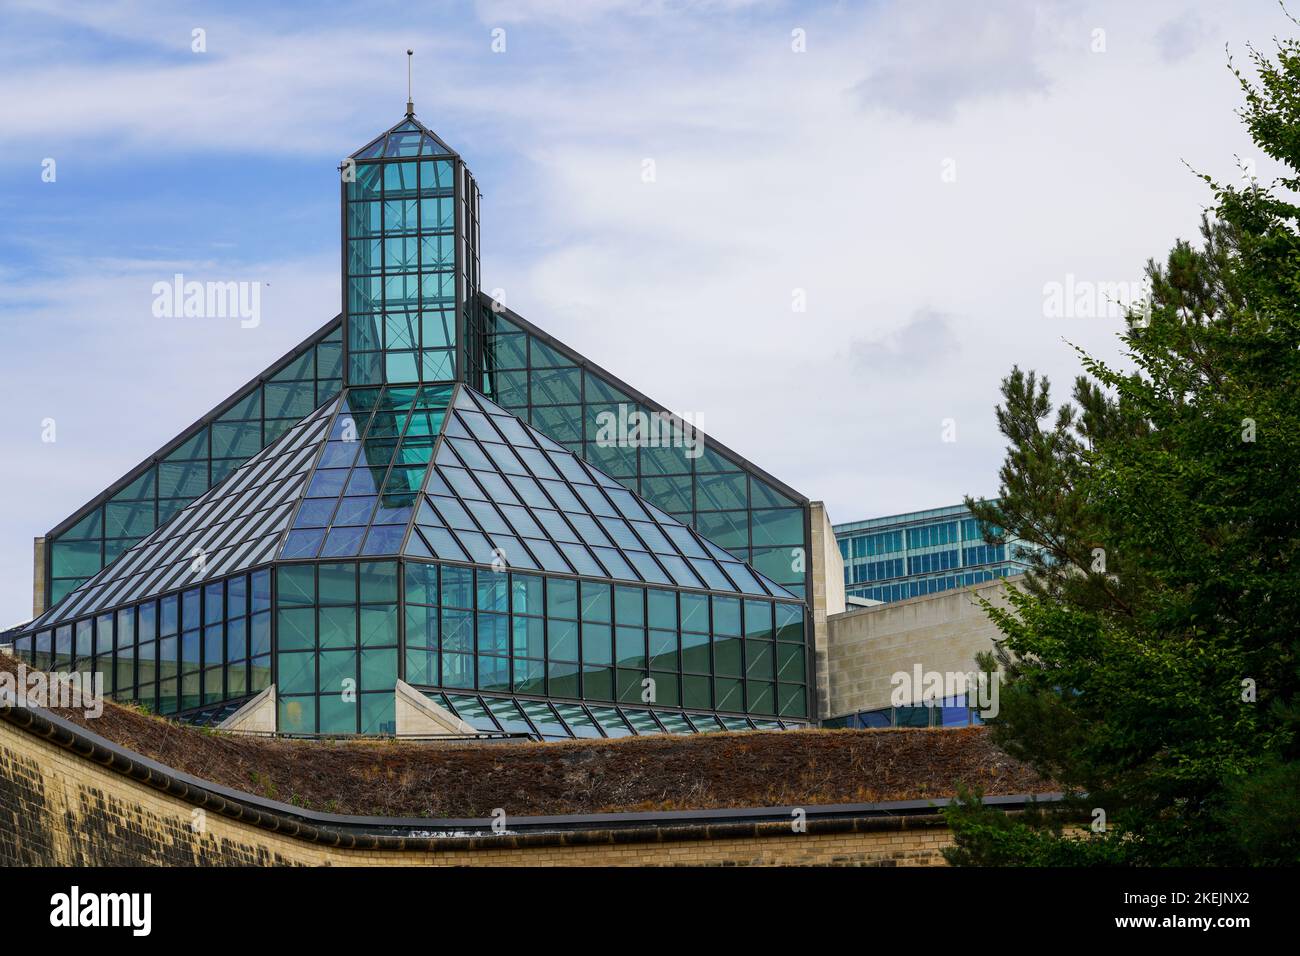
(1152, 658)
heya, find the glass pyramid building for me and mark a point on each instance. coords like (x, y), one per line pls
(429, 489)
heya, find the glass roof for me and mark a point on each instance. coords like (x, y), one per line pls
(556, 720)
(364, 490)
(502, 493)
(434, 472)
(236, 525)
(408, 138)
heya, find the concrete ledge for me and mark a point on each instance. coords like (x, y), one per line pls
(418, 716)
(256, 716)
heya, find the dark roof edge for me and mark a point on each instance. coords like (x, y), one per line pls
(582, 361)
(180, 437)
(390, 833)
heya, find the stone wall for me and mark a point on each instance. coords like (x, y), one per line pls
(63, 802)
(38, 577)
(827, 598)
(941, 632)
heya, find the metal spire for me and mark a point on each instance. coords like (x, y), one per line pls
(410, 104)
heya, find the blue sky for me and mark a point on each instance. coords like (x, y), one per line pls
(920, 171)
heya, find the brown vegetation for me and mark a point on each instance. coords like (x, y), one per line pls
(407, 779)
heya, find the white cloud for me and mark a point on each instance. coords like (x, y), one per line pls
(261, 86)
(568, 11)
(771, 178)
(939, 56)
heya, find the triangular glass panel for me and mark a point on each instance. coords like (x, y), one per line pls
(408, 138)
(502, 492)
(234, 526)
(366, 484)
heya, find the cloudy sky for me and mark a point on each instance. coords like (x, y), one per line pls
(915, 173)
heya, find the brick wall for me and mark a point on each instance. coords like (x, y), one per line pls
(58, 807)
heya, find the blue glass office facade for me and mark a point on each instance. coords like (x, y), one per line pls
(896, 557)
(953, 711)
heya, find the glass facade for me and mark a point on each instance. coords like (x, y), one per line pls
(571, 639)
(337, 647)
(410, 258)
(233, 527)
(171, 653)
(197, 459)
(364, 514)
(904, 556)
(503, 493)
(564, 397)
(948, 712)
(528, 574)
(340, 644)
(367, 481)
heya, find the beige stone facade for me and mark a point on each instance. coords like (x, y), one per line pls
(38, 577)
(827, 598)
(940, 632)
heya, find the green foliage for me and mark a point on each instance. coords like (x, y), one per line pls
(989, 837)
(1165, 501)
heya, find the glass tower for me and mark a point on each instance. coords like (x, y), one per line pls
(410, 258)
(416, 493)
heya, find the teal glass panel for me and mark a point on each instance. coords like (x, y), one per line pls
(791, 663)
(378, 714)
(789, 622)
(562, 679)
(378, 626)
(759, 660)
(596, 644)
(296, 715)
(527, 637)
(758, 620)
(792, 700)
(421, 666)
(421, 626)
(296, 585)
(726, 616)
(378, 668)
(728, 695)
(297, 673)
(530, 676)
(598, 682)
(562, 640)
(297, 628)
(778, 527)
(378, 582)
(337, 671)
(75, 558)
(338, 583)
(562, 598)
(760, 697)
(338, 715)
(337, 627)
